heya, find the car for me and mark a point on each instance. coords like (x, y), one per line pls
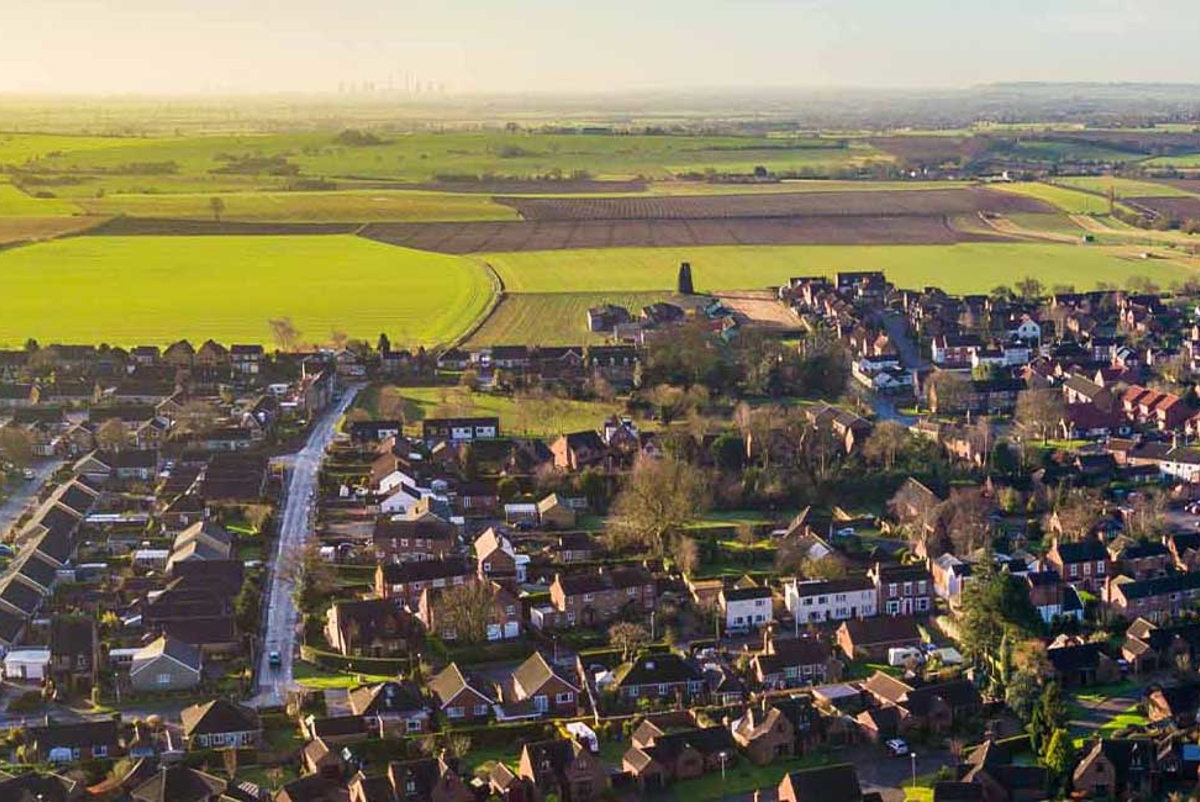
(28, 474)
(897, 747)
(274, 659)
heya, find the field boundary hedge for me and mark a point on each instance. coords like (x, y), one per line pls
(331, 661)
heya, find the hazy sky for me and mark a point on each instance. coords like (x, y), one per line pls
(566, 45)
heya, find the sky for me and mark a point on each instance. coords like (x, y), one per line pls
(485, 46)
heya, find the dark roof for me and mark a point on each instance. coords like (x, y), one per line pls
(422, 570)
(386, 697)
(11, 625)
(881, 629)
(34, 787)
(707, 741)
(846, 584)
(1074, 658)
(1141, 550)
(1158, 586)
(21, 596)
(826, 784)
(577, 584)
(1083, 551)
(75, 734)
(742, 594)
(38, 569)
(179, 784)
(201, 631)
(654, 669)
(952, 791)
(218, 716)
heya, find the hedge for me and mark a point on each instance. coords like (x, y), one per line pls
(332, 661)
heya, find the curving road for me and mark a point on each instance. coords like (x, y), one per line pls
(24, 494)
(296, 527)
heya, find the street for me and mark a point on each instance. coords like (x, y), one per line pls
(296, 526)
(23, 492)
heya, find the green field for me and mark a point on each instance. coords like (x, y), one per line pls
(519, 416)
(20, 148)
(1124, 187)
(1069, 200)
(128, 290)
(553, 318)
(1186, 161)
(356, 206)
(962, 268)
(422, 157)
(15, 203)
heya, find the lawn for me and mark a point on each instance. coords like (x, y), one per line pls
(522, 415)
(553, 318)
(131, 290)
(962, 268)
(311, 676)
(354, 206)
(744, 777)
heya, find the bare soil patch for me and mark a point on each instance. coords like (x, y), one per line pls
(515, 186)
(1173, 208)
(761, 309)
(777, 205)
(152, 226)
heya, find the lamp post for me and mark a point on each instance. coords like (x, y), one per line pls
(913, 757)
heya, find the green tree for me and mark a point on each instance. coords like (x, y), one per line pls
(1059, 757)
(217, 207)
(994, 604)
(1049, 715)
(1022, 694)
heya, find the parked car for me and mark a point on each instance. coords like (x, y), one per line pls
(274, 659)
(28, 474)
(897, 747)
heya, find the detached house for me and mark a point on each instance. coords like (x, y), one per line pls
(220, 723)
(1085, 564)
(536, 687)
(665, 675)
(563, 767)
(461, 696)
(902, 589)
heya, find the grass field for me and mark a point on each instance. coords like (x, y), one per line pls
(421, 157)
(127, 290)
(1186, 161)
(961, 268)
(553, 318)
(355, 206)
(20, 148)
(25, 229)
(1070, 201)
(528, 416)
(1124, 187)
(15, 203)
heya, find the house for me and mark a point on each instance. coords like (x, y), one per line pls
(838, 783)
(246, 359)
(535, 686)
(658, 675)
(564, 767)
(1075, 664)
(220, 723)
(420, 535)
(1141, 559)
(1117, 769)
(405, 581)
(179, 783)
(1185, 549)
(398, 708)
(902, 589)
(1178, 704)
(27, 665)
(503, 622)
(1051, 596)
(765, 733)
(990, 769)
(495, 557)
(460, 429)
(578, 450)
(74, 651)
(1155, 599)
(791, 662)
(746, 608)
(461, 696)
(554, 513)
(596, 598)
(852, 596)
(427, 780)
(66, 743)
(370, 627)
(166, 664)
(606, 317)
(934, 707)
(1085, 564)
(872, 637)
(683, 755)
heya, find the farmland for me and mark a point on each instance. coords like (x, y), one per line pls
(126, 290)
(1122, 187)
(961, 268)
(1070, 201)
(555, 318)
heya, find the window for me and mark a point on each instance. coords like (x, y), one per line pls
(564, 698)
(454, 712)
(481, 710)
(892, 587)
(1087, 569)
(921, 586)
(630, 591)
(1074, 571)
(822, 600)
(413, 725)
(1100, 568)
(922, 604)
(163, 679)
(487, 567)
(664, 689)
(589, 597)
(100, 750)
(893, 607)
(808, 601)
(908, 588)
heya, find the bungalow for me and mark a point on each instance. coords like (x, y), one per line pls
(433, 779)
(683, 755)
(837, 783)
(1076, 664)
(459, 430)
(220, 723)
(765, 733)
(397, 708)
(166, 664)
(67, 743)
(665, 675)
(935, 707)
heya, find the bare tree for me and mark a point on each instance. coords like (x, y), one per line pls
(339, 339)
(888, 440)
(467, 610)
(217, 207)
(1039, 411)
(112, 436)
(628, 637)
(16, 446)
(286, 335)
(687, 555)
(660, 498)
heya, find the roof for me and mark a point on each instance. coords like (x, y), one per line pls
(386, 697)
(1159, 586)
(881, 629)
(164, 646)
(77, 733)
(846, 584)
(218, 716)
(422, 570)
(71, 635)
(656, 669)
(451, 681)
(533, 674)
(1083, 551)
(745, 594)
(179, 783)
(825, 784)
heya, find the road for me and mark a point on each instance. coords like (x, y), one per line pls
(296, 527)
(25, 491)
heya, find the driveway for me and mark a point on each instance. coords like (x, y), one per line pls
(296, 527)
(24, 492)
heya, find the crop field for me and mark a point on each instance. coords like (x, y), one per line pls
(1184, 161)
(878, 203)
(356, 206)
(1068, 200)
(961, 268)
(1123, 187)
(1188, 186)
(20, 148)
(1179, 208)
(424, 157)
(564, 234)
(553, 318)
(129, 290)
(15, 203)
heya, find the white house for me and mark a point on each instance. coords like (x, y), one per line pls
(30, 665)
(830, 599)
(746, 607)
(1027, 329)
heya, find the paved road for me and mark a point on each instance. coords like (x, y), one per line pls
(296, 526)
(24, 491)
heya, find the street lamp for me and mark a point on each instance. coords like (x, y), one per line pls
(913, 757)
(723, 756)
